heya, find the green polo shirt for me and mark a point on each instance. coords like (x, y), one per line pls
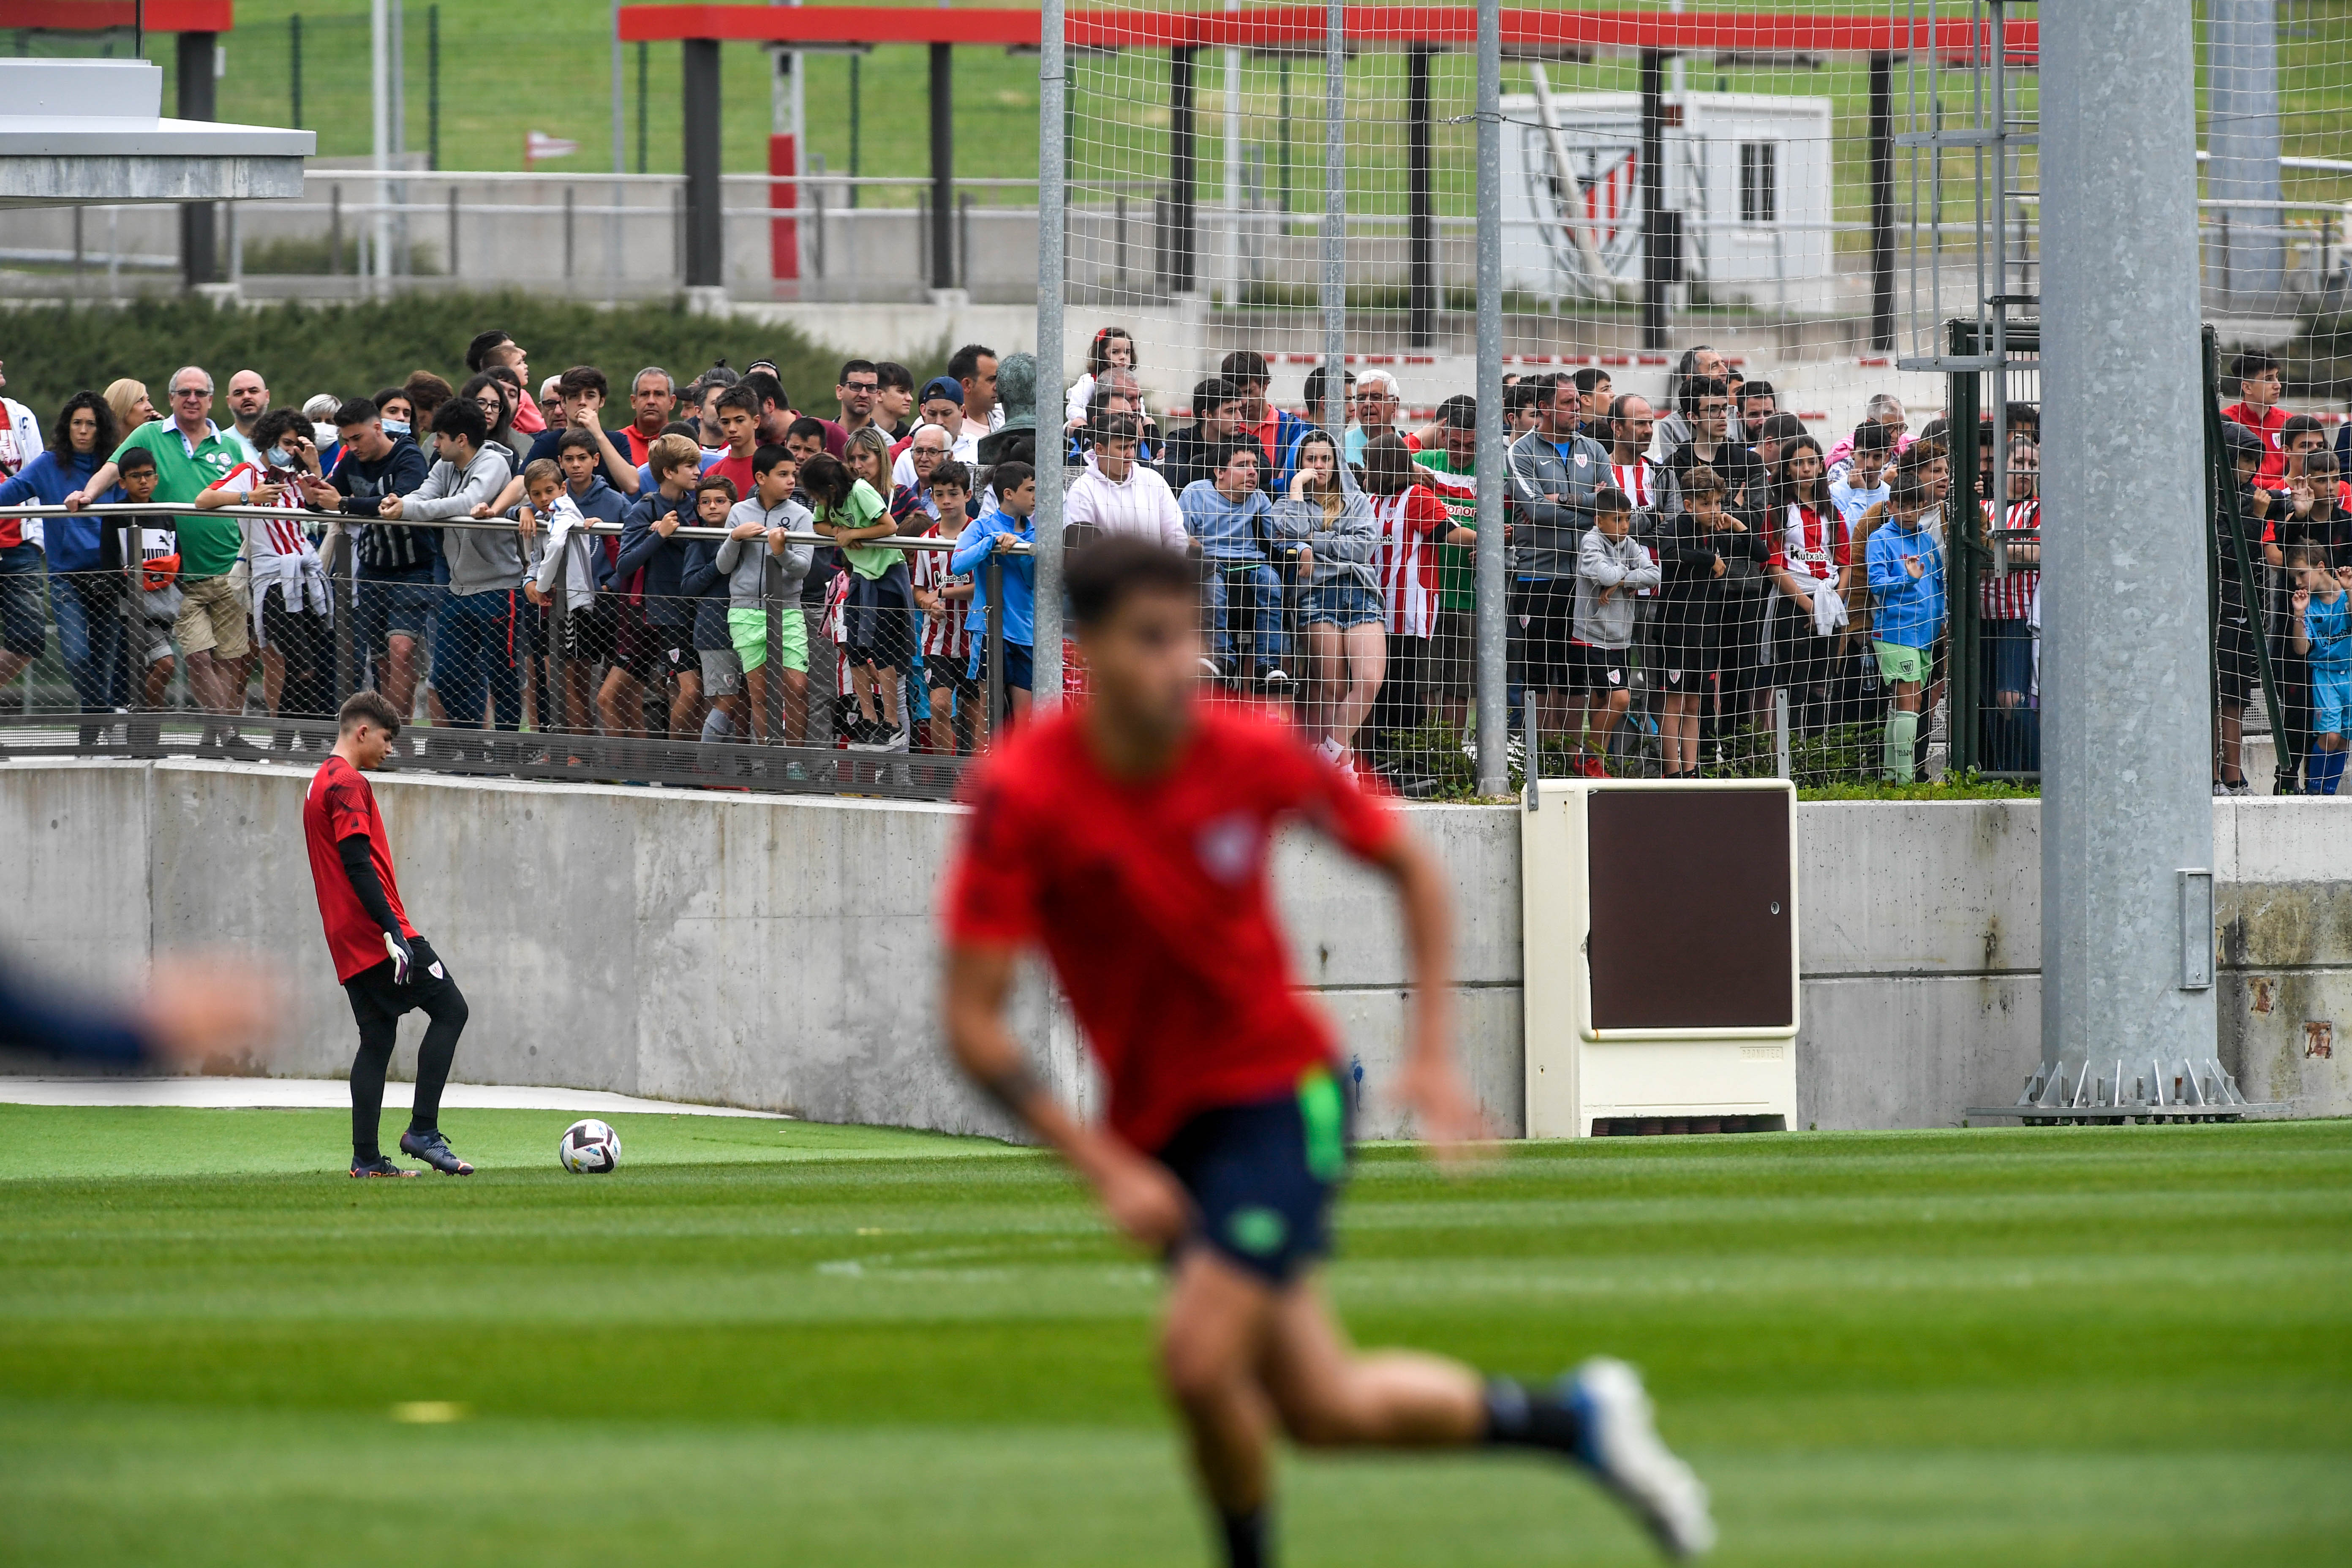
(208, 543)
(1457, 570)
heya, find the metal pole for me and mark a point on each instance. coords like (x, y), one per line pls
(620, 152)
(199, 260)
(1653, 175)
(943, 165)
(396, 75)
(380, 119)
(993, 575)
(2242, 67)
(1421, 206)
(1053, 152)
(1882, 202)
(705, 232)
(1183, 172)
(1335, 219)
(1494, 701)
(1233, 172)
(2121, 651)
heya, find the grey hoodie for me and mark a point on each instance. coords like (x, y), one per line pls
(1347, 549)
(745, 561)
(1604, 563)
(482, 560)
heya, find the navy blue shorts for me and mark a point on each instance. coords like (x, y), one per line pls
(1262, 1177)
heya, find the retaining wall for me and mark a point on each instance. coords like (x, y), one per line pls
(781, 954)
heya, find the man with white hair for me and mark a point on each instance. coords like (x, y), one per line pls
(1379, 400)
(1883, 408)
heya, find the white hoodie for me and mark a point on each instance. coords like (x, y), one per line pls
(1140, 504)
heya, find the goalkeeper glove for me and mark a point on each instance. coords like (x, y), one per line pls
(402, 962)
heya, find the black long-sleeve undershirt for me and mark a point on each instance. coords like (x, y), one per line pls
(360, 867)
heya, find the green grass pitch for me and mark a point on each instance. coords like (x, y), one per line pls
(772, 1342)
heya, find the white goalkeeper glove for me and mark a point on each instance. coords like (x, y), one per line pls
(402, 960)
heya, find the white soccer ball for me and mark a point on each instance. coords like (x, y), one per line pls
(589, 1148)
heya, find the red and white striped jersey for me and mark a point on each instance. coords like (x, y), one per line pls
(945, 637)
(1812, 544)
(2010, 598)
(1637, 480)
(270, 537)
(1411, 524)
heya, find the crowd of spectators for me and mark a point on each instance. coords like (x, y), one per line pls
(1673, 572)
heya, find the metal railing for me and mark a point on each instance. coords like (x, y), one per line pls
(529, 693)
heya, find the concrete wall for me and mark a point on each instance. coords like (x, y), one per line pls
(780, 953)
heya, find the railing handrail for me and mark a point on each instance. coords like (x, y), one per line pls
(487, 524)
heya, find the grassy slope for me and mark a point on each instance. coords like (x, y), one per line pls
(506, 70)
(770, 1338)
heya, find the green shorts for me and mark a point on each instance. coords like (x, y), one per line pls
(748, 629)
(1896, 662)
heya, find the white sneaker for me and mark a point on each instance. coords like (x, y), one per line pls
(1621, 1444)
(1332, 751)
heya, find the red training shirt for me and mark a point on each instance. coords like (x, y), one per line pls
(340, 802)
(1150, 897)
(2266, 422)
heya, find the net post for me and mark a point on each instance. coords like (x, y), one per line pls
(1045, 652)
(1493, 700)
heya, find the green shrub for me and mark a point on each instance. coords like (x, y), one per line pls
(350, 350)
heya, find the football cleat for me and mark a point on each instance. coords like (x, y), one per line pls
(434, 1150)
(1619, 1442)
(379, 1166)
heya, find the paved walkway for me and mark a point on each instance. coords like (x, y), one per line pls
(331, 1094)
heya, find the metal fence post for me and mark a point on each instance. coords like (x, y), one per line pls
(347, 652)
(1335, 219)
(993, 572)
(1493, 671)
(558, 670)
(1045, 651)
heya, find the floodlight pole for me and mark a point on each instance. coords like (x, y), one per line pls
(1493, 708)
(2126, 812)
(1051, 154)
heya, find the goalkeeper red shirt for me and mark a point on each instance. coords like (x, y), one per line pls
(1150, 897)
(340, 802)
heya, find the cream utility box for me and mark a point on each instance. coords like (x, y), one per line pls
(1661, 963)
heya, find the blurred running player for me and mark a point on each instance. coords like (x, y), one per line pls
(1129, 838)
(385, 967)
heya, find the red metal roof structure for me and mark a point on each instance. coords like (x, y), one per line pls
(103, 15)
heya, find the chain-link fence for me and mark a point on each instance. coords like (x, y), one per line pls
(704, 663)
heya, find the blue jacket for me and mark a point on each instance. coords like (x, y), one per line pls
(663, 560)
(1228, 530)
(1910, 609)
(972, 551)
(706, 585)
(71, 543)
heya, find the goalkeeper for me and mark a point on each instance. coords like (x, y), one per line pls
(385, 967)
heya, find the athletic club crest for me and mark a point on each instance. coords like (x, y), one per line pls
(1229, 847)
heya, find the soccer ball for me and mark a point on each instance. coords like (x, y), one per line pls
(589, 1148)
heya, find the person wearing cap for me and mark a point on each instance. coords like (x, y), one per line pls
(942, 405)
(1448, 454)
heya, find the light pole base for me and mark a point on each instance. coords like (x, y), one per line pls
(2117, 1089)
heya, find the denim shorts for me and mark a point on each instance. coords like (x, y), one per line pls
(391, 605)
(24, 614)
(1343, 604)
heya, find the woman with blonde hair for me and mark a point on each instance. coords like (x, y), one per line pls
(132, 407)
